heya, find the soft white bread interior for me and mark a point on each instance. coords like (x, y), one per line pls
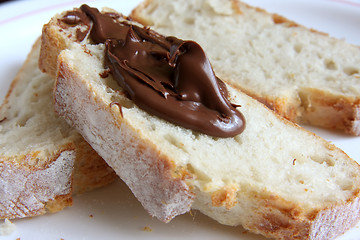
(275, 178)
(304, 75)
(43, 161)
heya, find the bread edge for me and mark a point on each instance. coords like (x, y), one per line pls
(165, 193)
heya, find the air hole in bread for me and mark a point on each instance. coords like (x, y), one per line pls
(255, 174)
(111, 84)
(215, 138)
(196, 135)
(190, 168)
(152, 126)
(200, 176)
(305, 100)
(330, 64)
(34, 98)
(319, 55)
(330, 162)
(216, 58)
(174, 141)
(238, 139)
(65, 133)
(298, 47)
(21, 122)
(330, 79)
(351, 70)
(322, 160)
(189, 21)
(346, 185)
(232, 53)
(122, 100)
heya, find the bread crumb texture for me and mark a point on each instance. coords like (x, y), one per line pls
(281, 63)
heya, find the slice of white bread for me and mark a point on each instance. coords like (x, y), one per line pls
(43, 161)
(304, 75)
(275, 178)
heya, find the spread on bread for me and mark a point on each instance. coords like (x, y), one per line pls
(251, 179)
(304, 75)
(165, 76)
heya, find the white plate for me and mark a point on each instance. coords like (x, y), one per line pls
(112, 212)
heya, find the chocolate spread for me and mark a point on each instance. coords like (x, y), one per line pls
(165, 76)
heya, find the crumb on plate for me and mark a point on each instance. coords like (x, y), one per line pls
(147, 229)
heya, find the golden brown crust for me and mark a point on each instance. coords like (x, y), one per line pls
(225, 197)
(51, 50)
(236, 6)
(276, 218)
(58, 204)
(278, 19)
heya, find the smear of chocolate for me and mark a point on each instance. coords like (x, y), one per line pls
(165, 76)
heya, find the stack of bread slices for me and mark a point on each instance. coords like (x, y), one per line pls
(275, 178)
(43, 161)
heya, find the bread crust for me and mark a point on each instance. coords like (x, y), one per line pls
(324, 224)
(32, 191)
(277, 218)
(50, 51)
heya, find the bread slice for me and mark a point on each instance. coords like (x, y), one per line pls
(43, 161)
(302, 74)
(275, 178)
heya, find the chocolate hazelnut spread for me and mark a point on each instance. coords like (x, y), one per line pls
(165, 76)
